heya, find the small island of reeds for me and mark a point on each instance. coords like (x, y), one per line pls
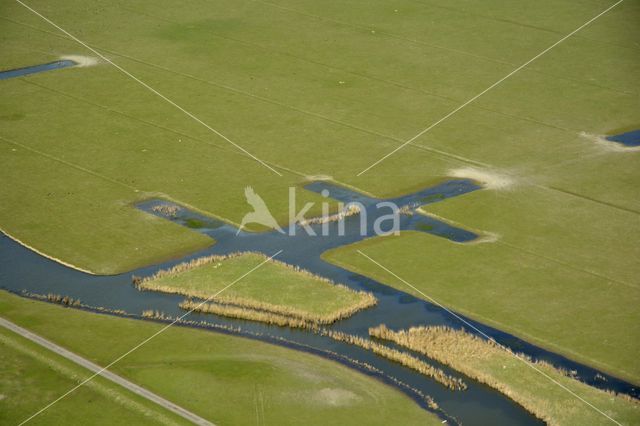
(276, 288)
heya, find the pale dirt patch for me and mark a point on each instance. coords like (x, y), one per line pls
(318, 177)
(2, 397)
(82, 61)
(488, 178)
(485, 237)
(335, 397)
(608, 146)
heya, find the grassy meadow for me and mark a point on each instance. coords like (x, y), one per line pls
(278, 287)
(327, 88)
(372, 74)
(226, 379)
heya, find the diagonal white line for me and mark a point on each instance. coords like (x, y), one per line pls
(146, 86)
(145, 341)
(407, 142)
(524, 360)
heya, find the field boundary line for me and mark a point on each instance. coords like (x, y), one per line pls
(151, 89)
(115, 378)
(494, 85)
(69, 164)
(567, 265)
(468, 324)
(587, 198)
(148, 339)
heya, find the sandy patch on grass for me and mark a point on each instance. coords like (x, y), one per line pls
(607, 145)
(82, 61)
(485, 237)
(488, 179)
(335, 397)
(318, 177)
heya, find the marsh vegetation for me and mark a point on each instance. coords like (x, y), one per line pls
(514, 375)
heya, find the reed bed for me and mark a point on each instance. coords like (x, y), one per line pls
(166, 210)
(243, 313)
(486, 361)
(63, 300)
(54, 298)
(71, 302)
(407, 210)
(456, 348)
(154, 314)
(364, 299)
(206, 260)
(400, 357)
(349, 210)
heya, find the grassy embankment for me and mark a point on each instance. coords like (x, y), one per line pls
(278, 288)
(32, 377)
(227, 379)
(499, 368)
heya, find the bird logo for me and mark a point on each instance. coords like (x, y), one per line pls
(260, 213)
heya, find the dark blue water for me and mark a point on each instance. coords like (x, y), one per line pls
(19, 72)
(22, 269)
(631, 138)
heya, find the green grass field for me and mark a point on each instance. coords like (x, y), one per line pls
(277, 286)
(372, 75)
(327, 88)
(227, 379)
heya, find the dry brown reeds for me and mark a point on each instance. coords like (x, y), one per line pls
(460, 350)
(155, 314)
(367, 300)
(201, 261)
(400, 357)
(166, 210)
(63, 300)
(248, 314)
(406, 210)
(482, 360)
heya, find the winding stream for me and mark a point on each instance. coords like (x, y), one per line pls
(22, 270)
